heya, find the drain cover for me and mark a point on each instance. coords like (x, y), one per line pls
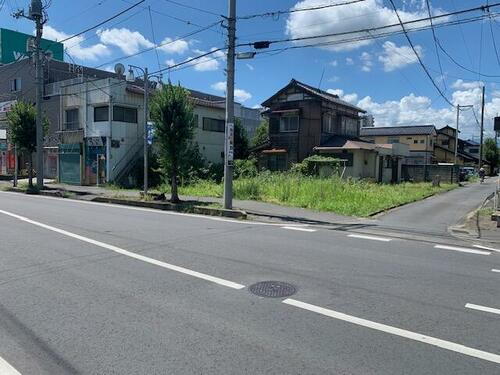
(273, 289)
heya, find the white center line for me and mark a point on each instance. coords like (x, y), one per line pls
(130, 254)
(483, 308)
(462, 249)
(448, 345)
(300, 229)
(495, 270)
(7, 369)
(486, 248)
(383, 239)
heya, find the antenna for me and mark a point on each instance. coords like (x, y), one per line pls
(119, 69)
(321, 79)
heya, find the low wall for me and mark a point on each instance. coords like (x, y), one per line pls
(427, 172)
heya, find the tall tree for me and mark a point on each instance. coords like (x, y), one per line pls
(261, 133)
(22, 125)
(491, 154)
(174, 123)
(240, 140)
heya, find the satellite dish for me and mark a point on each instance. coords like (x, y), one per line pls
(119, 69)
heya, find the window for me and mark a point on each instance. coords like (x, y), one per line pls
(349, 126)
(445, 142)
(415, 141)
(15, 84)
(196, 120)
(430, 142)
(409, 138)
(393, 140)
(72, 121)
(422, 141)
(289, 124)
(101, 113)
(125, 114)
(213, 125)
(328, 123)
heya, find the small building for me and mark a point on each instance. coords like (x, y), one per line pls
(420, 139)
(304, 120)
(444, 151)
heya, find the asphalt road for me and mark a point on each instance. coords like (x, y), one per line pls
(436, 214)
(99, 289)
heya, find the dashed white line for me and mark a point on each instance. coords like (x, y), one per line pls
(462, 249)
(7, 369)
(482, 308)
(130, 254)
(486, 248)
(383, 239)
(300, 229)
(495, 270)
(448, 345)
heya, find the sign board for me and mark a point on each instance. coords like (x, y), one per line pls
(229, 149)
(497, 124)
(14, 46)
(3, 133)
(94, 141)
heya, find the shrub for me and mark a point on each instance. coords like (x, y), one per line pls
(310, 166)
(245, 168)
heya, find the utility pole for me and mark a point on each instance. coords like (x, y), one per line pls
(481, 136)
(146, 110)
(456, 134)
(229, 131)
(36, 14)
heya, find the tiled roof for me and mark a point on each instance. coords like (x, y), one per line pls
(398, 130)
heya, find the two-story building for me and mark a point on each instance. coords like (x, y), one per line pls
(446, 145)
(304, 120)
(420, 139)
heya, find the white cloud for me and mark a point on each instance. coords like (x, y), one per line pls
(333, 79)
(170, 62)
(394, 57)
(366, 62)
(128, 41)
(334, 63)
(239, 94)
(179, 46)
(349, 61)
(351, 98)
(249, 66)
(461, 84)
(74, 46)
(207, 63)
(363, 15)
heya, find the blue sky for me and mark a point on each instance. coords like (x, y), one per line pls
(381, 76)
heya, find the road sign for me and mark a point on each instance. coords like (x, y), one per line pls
(230, 143)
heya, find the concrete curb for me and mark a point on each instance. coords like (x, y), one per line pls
(178, 207)
(48, 193)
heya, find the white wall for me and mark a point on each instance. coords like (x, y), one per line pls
(211, 144)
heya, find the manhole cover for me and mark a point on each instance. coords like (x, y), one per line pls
(273, 289)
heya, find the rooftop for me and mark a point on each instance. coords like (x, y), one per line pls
(398, 130)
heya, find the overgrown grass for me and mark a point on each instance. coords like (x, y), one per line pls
(345, 197)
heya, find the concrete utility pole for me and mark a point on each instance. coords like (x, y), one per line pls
(456, 135)
(481, 136)
(36, 14)
(146, 110)
(229, 131)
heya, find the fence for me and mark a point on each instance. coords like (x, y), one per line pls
(428, 172)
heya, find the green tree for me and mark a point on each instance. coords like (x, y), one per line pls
(491, 154)
(240, 140)
(172, 114)
(261, 133)
(22, 125)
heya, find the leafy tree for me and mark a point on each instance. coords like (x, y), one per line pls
(491, 154)
(22, 124)
(172, 114)
(261, 133)
(240, 140)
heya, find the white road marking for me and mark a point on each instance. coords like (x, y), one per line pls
(494, 270)
(130, 254)
(462, 249)
(300, 228)
(485, 248)
(153, 210)
(7, 369)
(483, 308)
(383, 239)
(448, 345)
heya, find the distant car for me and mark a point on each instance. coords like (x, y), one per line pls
(467, 172)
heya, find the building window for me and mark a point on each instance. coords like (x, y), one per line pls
(445, 142)
(289, 124)
(430, 142)
(125, 114)
(422, 141)
(328, 125)
(15, 84)
(409, 138)
(72, 121)
(213, 125)
(393, 140)
(196, 120)
(349, 126)
(101, 113)
(415, 141)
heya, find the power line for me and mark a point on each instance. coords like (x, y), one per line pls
(493, 40)
(160, 45)
(194, 8)
(435, 43)
(154, 38)
(280, 12)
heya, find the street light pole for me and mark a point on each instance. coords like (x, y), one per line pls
(229, 131)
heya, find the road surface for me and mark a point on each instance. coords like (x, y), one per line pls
(89, 288)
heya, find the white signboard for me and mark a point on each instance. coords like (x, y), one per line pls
(230, 143)
(3, 134)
